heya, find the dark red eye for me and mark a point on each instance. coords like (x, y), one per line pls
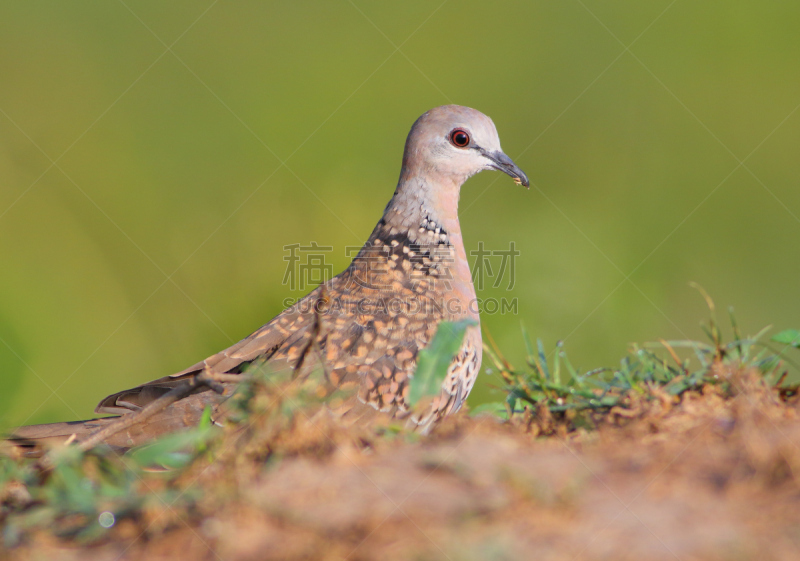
(459, 138)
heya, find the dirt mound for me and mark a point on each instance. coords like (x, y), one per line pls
(703, 476)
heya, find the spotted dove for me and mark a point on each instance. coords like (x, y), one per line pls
(368, 323)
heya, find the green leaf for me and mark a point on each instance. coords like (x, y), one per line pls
(496, 408)
(173, 451)
(434, 360)
(789, 336)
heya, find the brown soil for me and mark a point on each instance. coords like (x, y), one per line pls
(708, 476)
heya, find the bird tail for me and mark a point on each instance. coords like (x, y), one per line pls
(33, 440)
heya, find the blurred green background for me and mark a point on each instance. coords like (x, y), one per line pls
(157, 237)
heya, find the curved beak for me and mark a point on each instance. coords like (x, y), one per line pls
(503, 163)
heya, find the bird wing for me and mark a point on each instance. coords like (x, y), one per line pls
(277, 337)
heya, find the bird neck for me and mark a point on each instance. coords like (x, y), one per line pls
(422, 220)
(421, 206)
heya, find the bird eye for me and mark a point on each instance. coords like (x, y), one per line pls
(459, 138)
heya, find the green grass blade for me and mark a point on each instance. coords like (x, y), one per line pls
(543, 360)
(531, 357)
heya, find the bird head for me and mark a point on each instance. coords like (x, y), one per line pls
(455, 142)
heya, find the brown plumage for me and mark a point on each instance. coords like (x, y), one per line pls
(368, 323)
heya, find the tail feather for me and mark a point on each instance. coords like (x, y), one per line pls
(34, 440)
